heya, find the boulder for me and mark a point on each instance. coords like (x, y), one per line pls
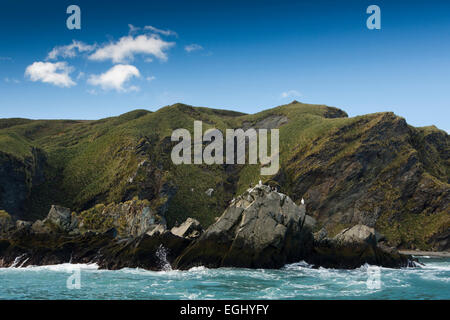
(58, 220)
(190, 229)
(60, 217)
(358, 234)
(354, 247)
(260, 229)
(157, 229)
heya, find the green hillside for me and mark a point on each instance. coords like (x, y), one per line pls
(373, 169)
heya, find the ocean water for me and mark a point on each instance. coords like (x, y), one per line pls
(295, 281)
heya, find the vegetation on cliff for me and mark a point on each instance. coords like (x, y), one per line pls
(373, 169)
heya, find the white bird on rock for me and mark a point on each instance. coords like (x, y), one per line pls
(260, 182)
(303, 201)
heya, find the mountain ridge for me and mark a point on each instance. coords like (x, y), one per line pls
(326, 157)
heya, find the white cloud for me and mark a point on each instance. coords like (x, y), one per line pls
(290, 94)
(115, 78)
(69, 51)
(48, 72)
(193, 47)
(151, 78)
(160, 31)
(128, 46)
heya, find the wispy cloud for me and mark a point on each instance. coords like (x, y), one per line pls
(133, 29)
(6, 59)
(69, 51)
(48, 72)
(193, 47)
(166, 33)
(11, 80)
(128, 46)
(115, 78)
(80, 75)
(290, 94)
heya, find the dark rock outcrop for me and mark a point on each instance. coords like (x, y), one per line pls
(59, 220)
(354, 247)
(24, 248)
(18, 176)
(260, 229)
(131, 218)
(6, 222)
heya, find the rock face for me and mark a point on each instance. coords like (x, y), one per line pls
(59, 219)
(190, 229)
(260, 229)
(353, 247)
(394, 178)
(18, 176)
(24, 248)
(6, 222)
(131, 218)
(358, 234)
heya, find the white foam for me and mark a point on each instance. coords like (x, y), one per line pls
(298, 265)
(196, 269)
(64, 267)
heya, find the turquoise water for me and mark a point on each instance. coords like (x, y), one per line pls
(295, 281)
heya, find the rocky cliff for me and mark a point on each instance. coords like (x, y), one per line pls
(374, 170)
(260, 229)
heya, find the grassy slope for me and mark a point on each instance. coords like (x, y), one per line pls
(91, 162)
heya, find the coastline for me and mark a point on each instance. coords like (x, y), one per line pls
(440, 254)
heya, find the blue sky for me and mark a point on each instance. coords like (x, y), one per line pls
(240, 55)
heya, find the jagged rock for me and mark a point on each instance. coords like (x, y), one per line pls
(60, 217)
(358, 234)
(260, 229)
(354, 247)
(155, 252)
(190, 229)
(131, 219)
(106, 249)
(58, 220)
(157, 230)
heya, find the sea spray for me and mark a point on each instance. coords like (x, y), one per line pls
(18, 260)
(161, 254)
